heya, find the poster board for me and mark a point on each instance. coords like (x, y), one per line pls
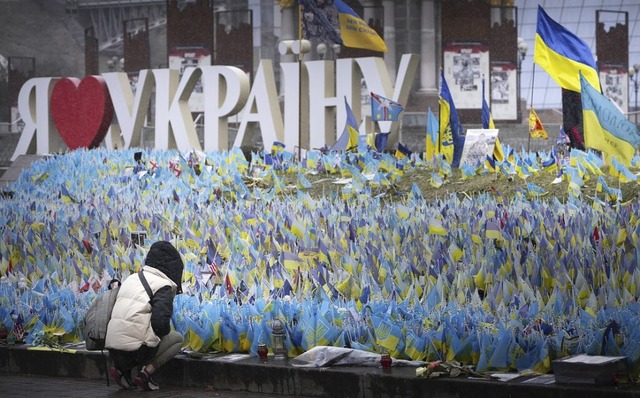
(503, 94)
(614, 80)
(181, 58)
(478, 144)
(465, 64)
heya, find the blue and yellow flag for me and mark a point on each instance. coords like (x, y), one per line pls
(432, 136)
(621, 172)
(355, 32)
(563, 54)
(65, 195)
(402, 152)
(388, 335)
(487, 123)
(613, 194)
(487, 120)
(492, 230)
(378, 141)
(449, 122)
(350, 135)
(605, 127)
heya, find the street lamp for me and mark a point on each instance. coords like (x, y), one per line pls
(336, 50)
(522, 53)
(633, 77)
(114, 62)
(322, 50)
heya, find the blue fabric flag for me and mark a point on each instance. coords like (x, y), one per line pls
(384, 109)
(381, 141)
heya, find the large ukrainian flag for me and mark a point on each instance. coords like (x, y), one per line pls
(605, 127)
(563, 54)
(355, 32)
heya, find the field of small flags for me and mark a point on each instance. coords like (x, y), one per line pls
(366, 250)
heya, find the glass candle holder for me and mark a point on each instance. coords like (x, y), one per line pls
(277, 340)
(262, 351)
(385, 361)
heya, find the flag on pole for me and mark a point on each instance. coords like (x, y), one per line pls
(432, 136)
(379, 141)
(371, 141)
(487, 123)
(449, 124)
(65, 195)
(492, 230)
(402, 152)
(487, 120)
(350, 135)
(620, 171)
(536, 129)
(605, 127)
(356, 32)
(384, 109)
(563, 55)
(498, 151)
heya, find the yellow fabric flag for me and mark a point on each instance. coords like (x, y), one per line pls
(498, 152)
(536, 129)
(355, 32)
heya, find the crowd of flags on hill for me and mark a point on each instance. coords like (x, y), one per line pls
(512, 287)
(442, 156)
(517, 284)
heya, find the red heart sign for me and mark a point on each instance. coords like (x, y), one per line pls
(81, 110)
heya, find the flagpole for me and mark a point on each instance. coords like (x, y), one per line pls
(440, 117)
(300, 83)
(533, 73)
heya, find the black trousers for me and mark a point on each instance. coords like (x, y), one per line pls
(127, 360)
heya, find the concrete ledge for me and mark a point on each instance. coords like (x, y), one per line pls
(237, 372)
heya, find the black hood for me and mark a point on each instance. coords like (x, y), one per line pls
(164, 257)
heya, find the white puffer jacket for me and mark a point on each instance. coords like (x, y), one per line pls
(130, 324)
